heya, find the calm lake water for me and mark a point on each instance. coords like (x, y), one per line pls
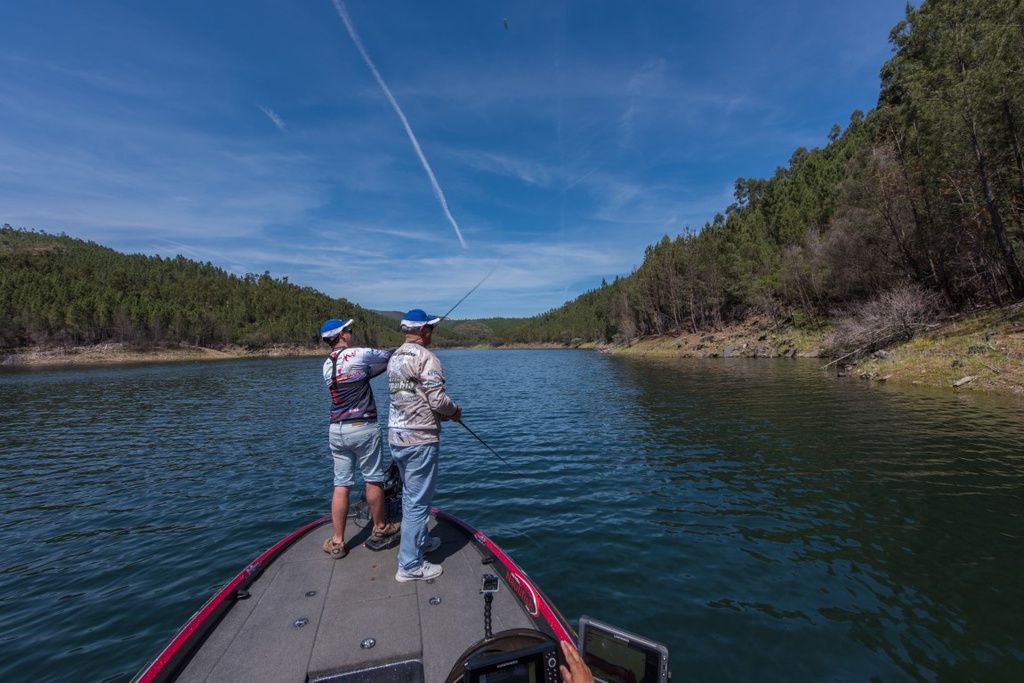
(765, 520)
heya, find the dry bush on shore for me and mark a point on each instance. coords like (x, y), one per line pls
(897, 315)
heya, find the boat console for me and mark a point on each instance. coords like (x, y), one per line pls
(535, 664)
(525, 656)
(513, 656)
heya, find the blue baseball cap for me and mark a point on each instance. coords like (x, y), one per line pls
(416, 319)
(334, 327)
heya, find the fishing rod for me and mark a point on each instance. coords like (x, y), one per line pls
(484, 443)
(507, 464)
(445, 316)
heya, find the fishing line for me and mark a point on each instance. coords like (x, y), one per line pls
(521, 533)
(484, 443)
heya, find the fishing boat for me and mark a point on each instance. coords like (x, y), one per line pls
(296, 614)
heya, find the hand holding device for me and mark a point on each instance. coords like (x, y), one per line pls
(574, 670)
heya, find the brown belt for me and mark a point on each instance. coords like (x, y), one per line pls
(355, 424)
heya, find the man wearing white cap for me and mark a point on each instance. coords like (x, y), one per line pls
(354, 432)
(418, 405)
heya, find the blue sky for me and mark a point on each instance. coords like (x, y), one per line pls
(398, 162)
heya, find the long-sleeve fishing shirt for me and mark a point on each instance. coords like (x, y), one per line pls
(418, 398)
(347, 372)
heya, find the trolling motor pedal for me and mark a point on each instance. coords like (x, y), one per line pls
(376, 544)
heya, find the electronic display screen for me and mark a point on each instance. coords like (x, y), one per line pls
(531, 664)
(615, 656)
(521, 672)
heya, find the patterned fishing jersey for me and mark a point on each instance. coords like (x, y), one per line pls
(347, 373)
(418, 398)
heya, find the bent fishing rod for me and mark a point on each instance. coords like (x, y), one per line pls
(445, 316)
(465, 426)
(484, 443)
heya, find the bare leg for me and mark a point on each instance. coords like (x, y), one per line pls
(339, 512)
(375, 499)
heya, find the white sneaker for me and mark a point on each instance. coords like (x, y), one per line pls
(432, 544)
(426, 571)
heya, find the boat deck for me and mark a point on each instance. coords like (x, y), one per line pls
(308, 615)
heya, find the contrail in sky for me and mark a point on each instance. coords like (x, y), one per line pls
(343, 13)
(273, 117)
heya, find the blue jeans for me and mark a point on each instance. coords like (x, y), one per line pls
(418, 465)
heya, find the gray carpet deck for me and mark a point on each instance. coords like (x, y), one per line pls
(342, 603)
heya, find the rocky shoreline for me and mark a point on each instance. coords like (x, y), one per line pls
(741, 341)
(983, 352)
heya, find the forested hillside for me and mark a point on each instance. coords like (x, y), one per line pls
(586, 319)
(57, 290)
(60, 290)
(915, 209)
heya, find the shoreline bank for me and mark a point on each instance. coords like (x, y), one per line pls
(116, 354)
(983, 352)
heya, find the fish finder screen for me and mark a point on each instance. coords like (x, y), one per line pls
(613, 661)
(523, 672)
(532, 664)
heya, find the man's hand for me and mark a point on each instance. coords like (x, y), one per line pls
(454, 417)
(576, 671)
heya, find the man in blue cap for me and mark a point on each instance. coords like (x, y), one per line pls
(354, 431)
(418, 405)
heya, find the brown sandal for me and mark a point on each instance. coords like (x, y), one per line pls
(335, 550)
(389, 529)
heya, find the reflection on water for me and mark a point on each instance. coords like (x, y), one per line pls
(892, 518)
(765, 520)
